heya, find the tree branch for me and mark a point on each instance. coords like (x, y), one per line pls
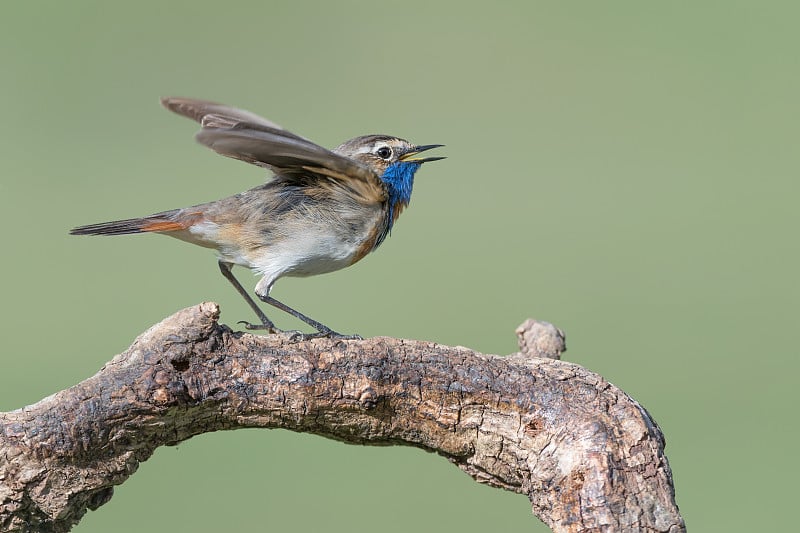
(588, 456)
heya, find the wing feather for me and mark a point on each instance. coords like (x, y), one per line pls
(243, 135)
(214, 115)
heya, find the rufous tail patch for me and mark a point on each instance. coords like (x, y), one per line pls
(173, 225)
(164, 226)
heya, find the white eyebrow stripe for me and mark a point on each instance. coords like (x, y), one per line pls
(371, 149)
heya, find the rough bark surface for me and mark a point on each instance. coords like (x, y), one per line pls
(588, 456)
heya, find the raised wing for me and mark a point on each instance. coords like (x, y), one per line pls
(248, 137)
(214, 115)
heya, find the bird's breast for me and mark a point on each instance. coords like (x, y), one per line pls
(324, 242)
(369, 243)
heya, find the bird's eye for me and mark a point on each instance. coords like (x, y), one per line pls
(384, 152)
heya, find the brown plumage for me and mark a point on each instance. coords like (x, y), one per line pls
(322, 211)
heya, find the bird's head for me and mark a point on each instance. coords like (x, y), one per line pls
(395, 160)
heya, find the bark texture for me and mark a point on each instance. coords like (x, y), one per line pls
(588, 456)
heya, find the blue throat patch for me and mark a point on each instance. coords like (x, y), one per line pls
(399, 180)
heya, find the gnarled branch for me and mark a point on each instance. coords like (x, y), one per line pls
(588, 456)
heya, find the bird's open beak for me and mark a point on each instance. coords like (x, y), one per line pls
(411, 156)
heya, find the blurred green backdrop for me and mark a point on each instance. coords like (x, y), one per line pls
(626, 170)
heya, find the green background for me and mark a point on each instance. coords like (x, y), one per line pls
(625, 170)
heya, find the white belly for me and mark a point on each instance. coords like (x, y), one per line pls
(306, 255)
(314, 251)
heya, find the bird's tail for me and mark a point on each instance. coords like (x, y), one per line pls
(160, 222)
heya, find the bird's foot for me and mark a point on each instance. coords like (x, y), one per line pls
(339, 336)
(263, 327)
(330, 334)
(298, 336)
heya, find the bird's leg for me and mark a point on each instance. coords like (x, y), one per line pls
(322, 329)
(266, 323)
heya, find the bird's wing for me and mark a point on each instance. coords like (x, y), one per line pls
(248, 137)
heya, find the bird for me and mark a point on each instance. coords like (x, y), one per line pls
(322, 210)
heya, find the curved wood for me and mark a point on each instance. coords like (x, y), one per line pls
(588, 456)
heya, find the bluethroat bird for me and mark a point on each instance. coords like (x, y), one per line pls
(323, 210)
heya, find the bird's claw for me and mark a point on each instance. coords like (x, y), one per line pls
(264, 327)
